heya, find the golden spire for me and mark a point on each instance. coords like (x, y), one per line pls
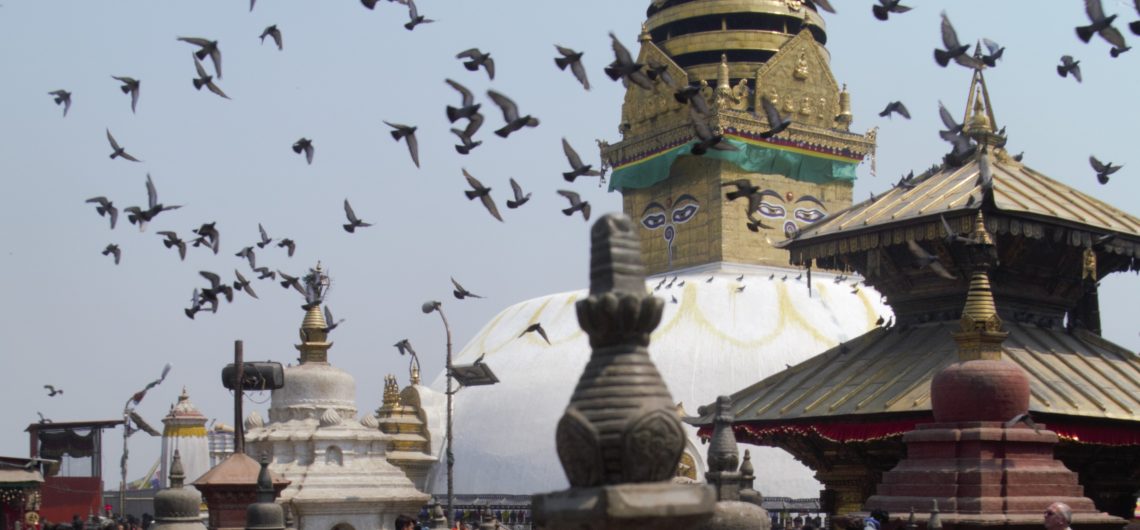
(414, 378)
(845, 117)
(644, 36)
(722, 74)
(980, 123)
(314, 333)
(981, 332)
(391, 391)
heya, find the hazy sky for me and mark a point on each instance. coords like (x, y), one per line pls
(99, 331)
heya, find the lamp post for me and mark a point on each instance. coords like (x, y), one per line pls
(128, 410)
(428, 307)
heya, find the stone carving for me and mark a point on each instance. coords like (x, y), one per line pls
(723, 455)
(330, 418)
(801, 71)
(253, 421)
(620, 426)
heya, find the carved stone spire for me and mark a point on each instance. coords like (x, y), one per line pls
(265, 514)
(723, 455)
(176, 508)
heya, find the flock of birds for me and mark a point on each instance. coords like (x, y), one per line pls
(624, 68)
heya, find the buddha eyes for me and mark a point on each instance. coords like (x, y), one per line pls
(809, 215)
(684, 213)
(768, 209)
(653, 221)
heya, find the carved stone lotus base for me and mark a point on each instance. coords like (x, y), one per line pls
(649, 506)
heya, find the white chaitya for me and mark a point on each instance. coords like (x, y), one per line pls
(340, 476)
(722, 334)
(184, 430)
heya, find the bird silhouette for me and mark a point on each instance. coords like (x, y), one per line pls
(304, 145)
(330, 322)
(475, 59)
(573, 59)
(287, 244)
(578, 169)
(483, 193)
(242, 284)
(353, 221)
(776, 123)
(408, 133)
(926, 259)
(895, 107)
(249, 255)
(1103, 170)
(576, 204)
(275, 34)
(520, 199)
(461, 293)
(623, 67)
(105, 208)
(130, 86)
(414, 16)
(405, 347)
(465, 135)
(955, 50)
(206, 80)
(536, 328)
(206, 48)
(884, 8)
(113, 250)
(1101, 25)
(52, 391)
(62, 97)
(172, 240)
(1069, 66)
(995, 52)
(208, 236)
(510, 115)
(137, 215)
(117, 151)
(265, 239)
(468, 106)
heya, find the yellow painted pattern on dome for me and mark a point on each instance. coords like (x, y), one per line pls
(184, 431)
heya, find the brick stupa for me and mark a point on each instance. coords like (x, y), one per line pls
(984, 461)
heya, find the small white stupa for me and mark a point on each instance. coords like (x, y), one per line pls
(184, 432)
(339, 472)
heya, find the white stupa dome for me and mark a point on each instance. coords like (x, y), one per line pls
(721, 335)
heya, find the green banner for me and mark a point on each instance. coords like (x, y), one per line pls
(748, 156)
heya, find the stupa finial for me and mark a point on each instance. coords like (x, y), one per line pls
(391, 391)
(177, 475)
(314, 330)
(981, 332)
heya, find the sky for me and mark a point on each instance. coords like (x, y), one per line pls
(75, 320)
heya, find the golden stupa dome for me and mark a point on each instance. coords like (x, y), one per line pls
(696, 32)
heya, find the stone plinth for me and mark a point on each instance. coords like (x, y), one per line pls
(625, 507)
(984, 474)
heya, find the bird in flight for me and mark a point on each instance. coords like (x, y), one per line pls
(330, 322)
(117, 151)
(776, 123)
(414, 16)
(520, 198)
(1103, 170)
(52, 391)
(475, 59)
(273, 33)
(130, 86)
(1069, 66)
(536, 328)
(408, 133)
(139, 216)
(468, 108)
(578, 169)
(172, 240)
(208, 236)
(242, 284)
(483, 193)
(304, 145)
(206, 80)
(576, 204)
(206, 47)
(1102, 25)
(511, 115)
(113, 250)
(573, 59)
(895, 107)
(105, 208)
(883, 10)
(461, 293)
(287, 244)
(926, 259)
(353, 221)
(62, 97)
(955, 50)
(465, 135)
(623, 67)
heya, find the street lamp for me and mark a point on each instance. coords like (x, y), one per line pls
(128, 416)
(428, 307)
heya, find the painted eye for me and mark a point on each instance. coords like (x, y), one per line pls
(809, 215)
(768, 209)
(686, 212)
(653, 221)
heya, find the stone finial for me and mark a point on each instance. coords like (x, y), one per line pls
(330, 418)
(265, 514)
(911, 524)
(621, 425)
(370, 421)
(265, 491)
(935, 521)
(747, 472)
(177, 475)
(723, 455)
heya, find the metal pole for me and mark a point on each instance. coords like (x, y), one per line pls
(239, 428)
(123, 460)
(450, 439)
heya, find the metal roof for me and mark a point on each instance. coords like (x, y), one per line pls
(889, 371)
(1017, 189)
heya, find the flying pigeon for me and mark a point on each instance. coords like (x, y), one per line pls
(483, 193)
(573, 59)
(62, 97)
(475, 59)
(576, 204)
(353, 221)
(408, 133)
(511, 115)
(536, 328)
(130, 86)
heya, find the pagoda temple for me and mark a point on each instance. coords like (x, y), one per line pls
(844, 411)
(735, 311)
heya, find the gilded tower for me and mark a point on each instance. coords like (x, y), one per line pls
(736, 52)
